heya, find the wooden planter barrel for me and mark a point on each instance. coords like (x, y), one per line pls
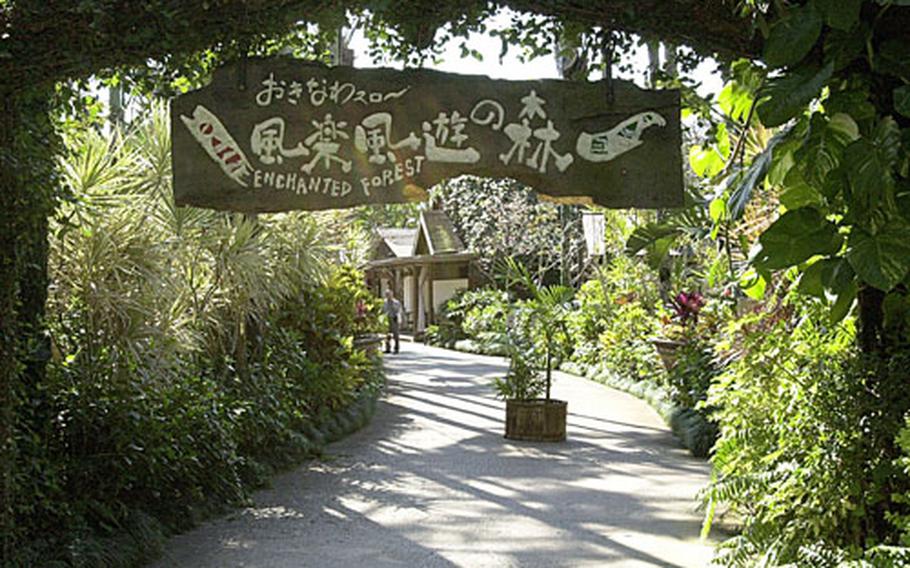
(536, 420)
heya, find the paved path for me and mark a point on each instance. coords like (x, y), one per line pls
(431, 482)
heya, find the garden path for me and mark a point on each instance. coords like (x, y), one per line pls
(431, 482)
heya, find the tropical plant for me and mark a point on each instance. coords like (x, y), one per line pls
(791, 463)
(191, 351)
(524, 380)
(543, 317)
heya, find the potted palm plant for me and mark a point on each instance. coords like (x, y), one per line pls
(538, 337)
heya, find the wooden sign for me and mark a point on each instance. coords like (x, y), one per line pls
(281, 134)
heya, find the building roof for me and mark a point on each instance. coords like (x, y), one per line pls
(434, 241)
(438, 232)
(423, 259)
(400, 242)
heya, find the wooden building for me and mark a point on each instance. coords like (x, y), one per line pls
(425, 267)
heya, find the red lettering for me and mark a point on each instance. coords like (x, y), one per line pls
(206, 128)
(226, 150)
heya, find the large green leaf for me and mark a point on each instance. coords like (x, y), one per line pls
(646, 235)
(840, 14)
(902, 100)
(793, 36)
(735, 100)
(810, 281)
(744, 183)
(705, 162)
(882, 259)
(869, 174)
(844, 302)
(796, 237)
(887, 138)
(824, 147)
(797, 193)
(827, 274)
(893, 58)
(854, 102)
(789, 94)
(844, 47)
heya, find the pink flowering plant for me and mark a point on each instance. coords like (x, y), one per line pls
(686, 308)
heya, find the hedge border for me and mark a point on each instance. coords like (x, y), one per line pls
(692, 430)
(142, 538)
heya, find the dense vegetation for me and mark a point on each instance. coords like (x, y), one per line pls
(192, 352)
(802, 207)
(784, 284)
(805, 466)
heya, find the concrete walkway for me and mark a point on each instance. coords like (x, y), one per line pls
(431, 482)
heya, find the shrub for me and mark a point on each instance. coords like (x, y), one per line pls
(805, 457)
(691, 374)
(191, 353)
(617, 313)
(524, 380)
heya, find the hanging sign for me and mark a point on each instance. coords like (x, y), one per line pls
(280, 134)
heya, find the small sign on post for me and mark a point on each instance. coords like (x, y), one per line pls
(283, 134)
(593, 226)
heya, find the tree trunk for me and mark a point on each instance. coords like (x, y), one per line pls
(870, 334)
(549, 370)
(653, 62)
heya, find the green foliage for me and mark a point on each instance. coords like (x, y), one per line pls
(471, 314)
(791, 462)
(693, 369)
(524, 380)
(502, 219)
(788, 95)
(191, 353)
(540, 322)
(796, 450)
(840, 165)
(793, 35)
(796, 237)
(481, 311)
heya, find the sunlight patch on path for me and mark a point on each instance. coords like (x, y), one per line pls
(431, 482)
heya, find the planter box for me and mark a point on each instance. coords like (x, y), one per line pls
(536, 420)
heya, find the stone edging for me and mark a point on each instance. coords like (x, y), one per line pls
(692, 430)
(334, 426)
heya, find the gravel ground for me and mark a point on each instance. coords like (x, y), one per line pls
(431, 482)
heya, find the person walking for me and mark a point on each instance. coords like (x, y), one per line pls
(392, 309)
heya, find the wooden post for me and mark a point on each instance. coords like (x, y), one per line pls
(421, 321)
(432, 304)
(415, 293)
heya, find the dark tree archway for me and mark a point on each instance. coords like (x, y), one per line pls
(45, 43)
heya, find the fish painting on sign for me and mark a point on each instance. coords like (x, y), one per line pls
(318, 144)
(622, 138)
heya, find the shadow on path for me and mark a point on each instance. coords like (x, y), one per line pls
(431, 482)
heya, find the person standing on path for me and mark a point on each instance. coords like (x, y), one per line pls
(392, 309)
